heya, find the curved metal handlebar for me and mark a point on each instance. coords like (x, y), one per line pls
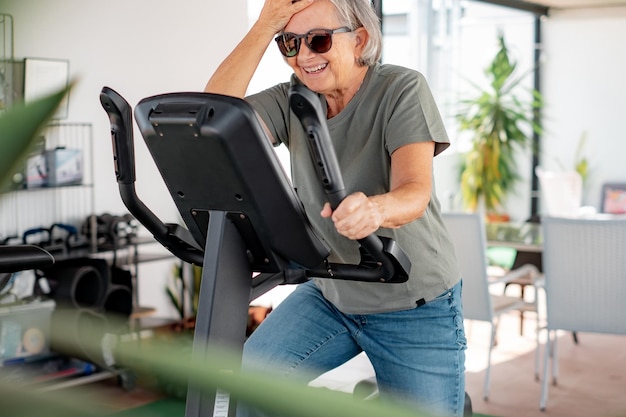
(378, 264)
(175, 238)
(14, 258)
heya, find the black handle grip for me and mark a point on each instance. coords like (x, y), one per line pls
(175, 238)
(36, 231)
(68, 228)
(306, 105)
(21, 257)
(120, 117)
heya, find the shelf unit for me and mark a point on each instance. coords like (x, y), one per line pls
(27, 208)
(24, 209)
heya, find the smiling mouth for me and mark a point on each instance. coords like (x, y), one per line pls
(317, 68)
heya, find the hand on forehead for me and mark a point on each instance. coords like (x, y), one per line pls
(320, 14)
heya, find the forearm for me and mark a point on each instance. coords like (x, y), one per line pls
(410, 190)
(411, 185)
(402, 205)
(359, 215)
(233, 75)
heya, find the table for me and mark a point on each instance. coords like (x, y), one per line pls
(524, 237)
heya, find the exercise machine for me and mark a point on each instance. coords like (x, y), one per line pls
(15, 258)
(243, 221)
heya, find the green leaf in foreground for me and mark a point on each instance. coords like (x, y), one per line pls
(19, 125)
(271, 394)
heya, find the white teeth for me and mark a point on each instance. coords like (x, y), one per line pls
(315, 69)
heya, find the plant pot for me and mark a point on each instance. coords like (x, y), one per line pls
(497, 218)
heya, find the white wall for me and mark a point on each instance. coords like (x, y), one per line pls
(138, 48)
(585, 88)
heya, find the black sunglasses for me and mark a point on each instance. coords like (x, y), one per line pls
(318, 40)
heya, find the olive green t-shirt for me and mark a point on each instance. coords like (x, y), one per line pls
(393, 107)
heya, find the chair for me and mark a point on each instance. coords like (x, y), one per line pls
(525, 281)
(467, 231)
(515, 258)
(585, 280)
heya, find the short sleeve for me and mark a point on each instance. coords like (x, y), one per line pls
(272, 106)
(415, 116)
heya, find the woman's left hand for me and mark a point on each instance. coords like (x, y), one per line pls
(356, 217)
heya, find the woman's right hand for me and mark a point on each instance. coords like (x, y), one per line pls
(277, 13)
(233, 75)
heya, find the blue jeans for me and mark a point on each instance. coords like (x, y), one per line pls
(418, 354)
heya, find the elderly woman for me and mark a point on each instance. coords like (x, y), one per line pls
(386, 130)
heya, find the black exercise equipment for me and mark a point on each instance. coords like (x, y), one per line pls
(241, 214)
(385, 260)
(111, 232)
(58, 238)
(14, 258)
(77, 283)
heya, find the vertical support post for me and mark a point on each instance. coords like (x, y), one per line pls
(378, 7)
(536, 144)
(222, 309)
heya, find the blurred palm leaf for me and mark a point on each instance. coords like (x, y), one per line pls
(271, 394)
(171, 358)
(19, 126)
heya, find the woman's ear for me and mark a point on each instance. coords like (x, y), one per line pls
(361, 37)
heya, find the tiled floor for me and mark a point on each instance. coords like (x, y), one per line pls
(591, 381)
(592, 374)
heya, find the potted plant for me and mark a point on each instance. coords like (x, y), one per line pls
(501, 125)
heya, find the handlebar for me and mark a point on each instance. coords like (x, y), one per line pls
(381, 258)
(379, 264)
(14, 258)
(175, 238)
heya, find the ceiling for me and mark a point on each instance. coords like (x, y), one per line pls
(574, 4)
(542, 7)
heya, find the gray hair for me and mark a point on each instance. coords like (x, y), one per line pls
(361, 13)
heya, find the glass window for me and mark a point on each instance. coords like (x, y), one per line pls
(451, 42)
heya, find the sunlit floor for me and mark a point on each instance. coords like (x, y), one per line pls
(591, 382)
(591, 379)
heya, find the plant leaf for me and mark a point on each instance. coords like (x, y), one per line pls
(19, 125)
(218, 369)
